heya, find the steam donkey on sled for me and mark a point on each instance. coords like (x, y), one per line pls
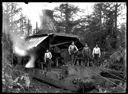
(60, 73)
(58, 44)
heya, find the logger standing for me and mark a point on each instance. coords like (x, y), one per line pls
(86, 54)
(96, 54)
(72, 51)
(47, 59)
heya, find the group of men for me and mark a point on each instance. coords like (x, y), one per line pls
(86, 53)
(73, 52)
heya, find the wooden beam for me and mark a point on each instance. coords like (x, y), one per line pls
(60, 44)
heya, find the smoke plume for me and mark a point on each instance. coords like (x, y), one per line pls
(47, 21)
(20, 45)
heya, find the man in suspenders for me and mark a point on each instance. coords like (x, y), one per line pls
(86, 54)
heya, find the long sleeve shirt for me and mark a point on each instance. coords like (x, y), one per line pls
(47, 55)
(96, 51)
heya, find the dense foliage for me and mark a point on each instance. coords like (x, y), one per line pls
(99, 27)
(10, 24)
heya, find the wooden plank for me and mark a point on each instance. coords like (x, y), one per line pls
(59, 44)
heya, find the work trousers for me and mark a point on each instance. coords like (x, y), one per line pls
(73, 57)
(86, 60)
(96, 59)
(78, 61)
(48, 63)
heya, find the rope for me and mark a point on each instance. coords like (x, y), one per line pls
(110, 73)
(114, 75)
(112, 70)
(108, 80)
(114, 79)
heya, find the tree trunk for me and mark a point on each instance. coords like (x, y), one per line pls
(100, 17)
(36, 27)
(115, 19)
(115, 31)
(66, 19)
(28, 28)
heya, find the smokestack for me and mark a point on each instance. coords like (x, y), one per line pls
(48, 21)
(36, 27)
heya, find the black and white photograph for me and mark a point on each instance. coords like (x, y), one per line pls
(64, 47)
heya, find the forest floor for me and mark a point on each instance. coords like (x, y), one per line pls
(37, 86)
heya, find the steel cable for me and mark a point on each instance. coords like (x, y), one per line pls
(108, 80)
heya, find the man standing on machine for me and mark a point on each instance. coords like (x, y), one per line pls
(96, 54)
(72, 51)
(47, 59)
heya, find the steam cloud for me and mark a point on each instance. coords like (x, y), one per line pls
(20, 45)
(23, 47)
